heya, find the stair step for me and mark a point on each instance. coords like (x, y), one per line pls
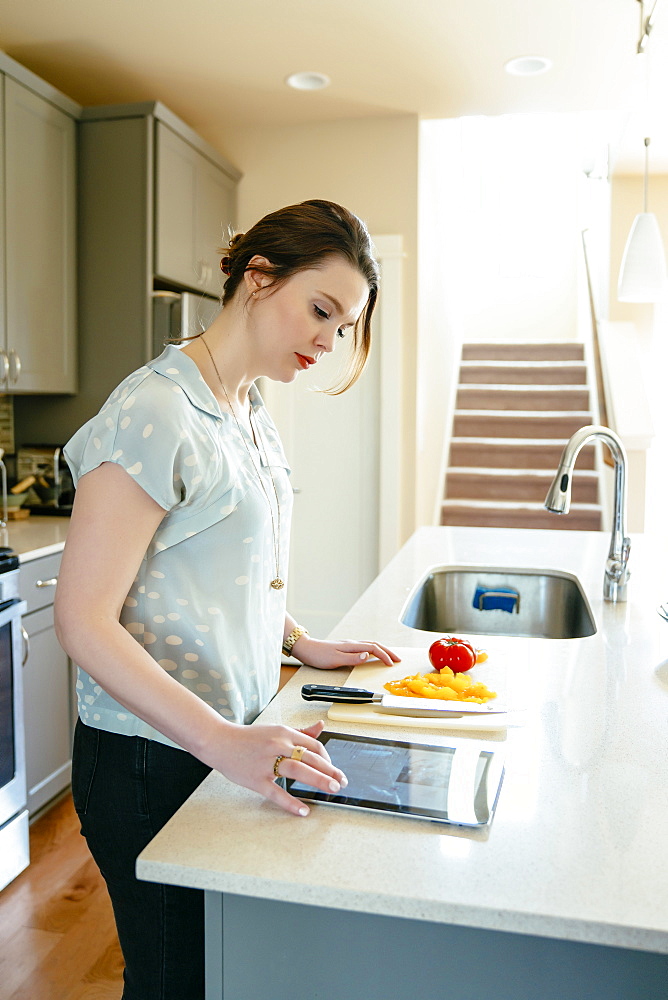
(528, 373)
(519, 453)
(518, 424)
(582, 517)
(527, 397)
(523, 352)
(514, 484)
(517, 405)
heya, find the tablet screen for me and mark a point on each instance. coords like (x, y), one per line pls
(451, 784)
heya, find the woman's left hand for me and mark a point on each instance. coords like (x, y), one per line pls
(328, 655)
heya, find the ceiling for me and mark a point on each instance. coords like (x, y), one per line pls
(221, 65)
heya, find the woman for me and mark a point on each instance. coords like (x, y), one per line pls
(171, 596)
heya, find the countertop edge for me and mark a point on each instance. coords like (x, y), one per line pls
(510, 921)
(45, 550)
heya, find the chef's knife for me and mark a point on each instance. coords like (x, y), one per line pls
(396, 704)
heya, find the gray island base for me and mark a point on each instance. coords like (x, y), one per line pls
(564, 897)
(258, 948)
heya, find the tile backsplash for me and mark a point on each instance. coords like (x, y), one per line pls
(7, 424)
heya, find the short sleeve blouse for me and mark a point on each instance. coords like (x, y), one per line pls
(201, 604)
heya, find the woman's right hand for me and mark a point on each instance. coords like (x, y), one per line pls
(249, 754)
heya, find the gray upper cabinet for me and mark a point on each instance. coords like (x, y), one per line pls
(176, 193)
(39, 346)
(195, 203)
(4, 358)
(215, 215)
(154, 205)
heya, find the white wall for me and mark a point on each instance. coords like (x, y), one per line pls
(649, 346)
(511, 222)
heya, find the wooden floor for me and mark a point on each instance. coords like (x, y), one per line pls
(57, 934)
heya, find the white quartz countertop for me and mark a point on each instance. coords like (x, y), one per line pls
(577, 849)
(35, 536)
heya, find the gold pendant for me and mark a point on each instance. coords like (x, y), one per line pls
(277, 584)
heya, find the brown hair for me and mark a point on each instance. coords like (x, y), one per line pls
(301, 237)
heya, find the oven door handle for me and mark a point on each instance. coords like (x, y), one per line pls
(26, 646)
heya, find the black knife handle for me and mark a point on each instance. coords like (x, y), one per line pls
(328, 692)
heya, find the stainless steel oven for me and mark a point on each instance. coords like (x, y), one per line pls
(14, 852)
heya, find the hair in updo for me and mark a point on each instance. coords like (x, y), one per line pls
(301, 237)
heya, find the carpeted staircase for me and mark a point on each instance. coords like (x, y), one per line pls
(517, 405)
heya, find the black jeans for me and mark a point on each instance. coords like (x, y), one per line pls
(125, 788)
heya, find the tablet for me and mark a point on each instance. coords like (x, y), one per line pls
(457, 784)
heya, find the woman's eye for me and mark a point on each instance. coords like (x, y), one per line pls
(320, 312)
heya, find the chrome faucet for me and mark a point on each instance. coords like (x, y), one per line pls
(558, 500)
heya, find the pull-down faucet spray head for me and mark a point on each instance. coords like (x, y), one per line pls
(558, 500)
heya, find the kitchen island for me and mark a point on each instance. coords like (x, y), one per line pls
(565, 896)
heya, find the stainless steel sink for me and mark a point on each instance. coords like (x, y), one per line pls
(491, 600)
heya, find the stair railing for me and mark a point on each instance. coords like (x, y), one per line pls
(596, 350)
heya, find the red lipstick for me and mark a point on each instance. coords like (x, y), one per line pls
(304, 360)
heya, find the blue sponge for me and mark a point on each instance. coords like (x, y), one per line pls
(496, 599)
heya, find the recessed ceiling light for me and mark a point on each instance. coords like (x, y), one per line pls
(528, 65)
(308, 81)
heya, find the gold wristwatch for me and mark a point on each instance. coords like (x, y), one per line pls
(291, 639)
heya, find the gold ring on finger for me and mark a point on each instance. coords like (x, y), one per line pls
(297, 753)
(277, 763)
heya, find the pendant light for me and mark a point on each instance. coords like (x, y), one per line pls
(642, 276)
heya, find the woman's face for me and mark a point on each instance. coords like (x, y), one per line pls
(295, 325)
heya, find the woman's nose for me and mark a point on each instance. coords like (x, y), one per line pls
(326, 340)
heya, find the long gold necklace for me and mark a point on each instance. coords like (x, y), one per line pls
(277, 582)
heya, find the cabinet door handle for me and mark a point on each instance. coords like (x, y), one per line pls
(14, 367)
(47, 583)
(4, 361)
(26, 646)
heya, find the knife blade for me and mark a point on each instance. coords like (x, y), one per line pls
(395, 703)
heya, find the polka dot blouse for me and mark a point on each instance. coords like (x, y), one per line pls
(201, 604)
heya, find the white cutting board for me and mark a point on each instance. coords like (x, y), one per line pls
(375, 674)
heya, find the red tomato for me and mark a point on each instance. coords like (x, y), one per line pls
(457, 654)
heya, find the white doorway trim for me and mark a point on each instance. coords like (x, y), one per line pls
(390, 255)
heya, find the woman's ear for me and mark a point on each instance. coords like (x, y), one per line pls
(256, 279)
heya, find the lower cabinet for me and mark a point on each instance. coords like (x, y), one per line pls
(48, 684)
